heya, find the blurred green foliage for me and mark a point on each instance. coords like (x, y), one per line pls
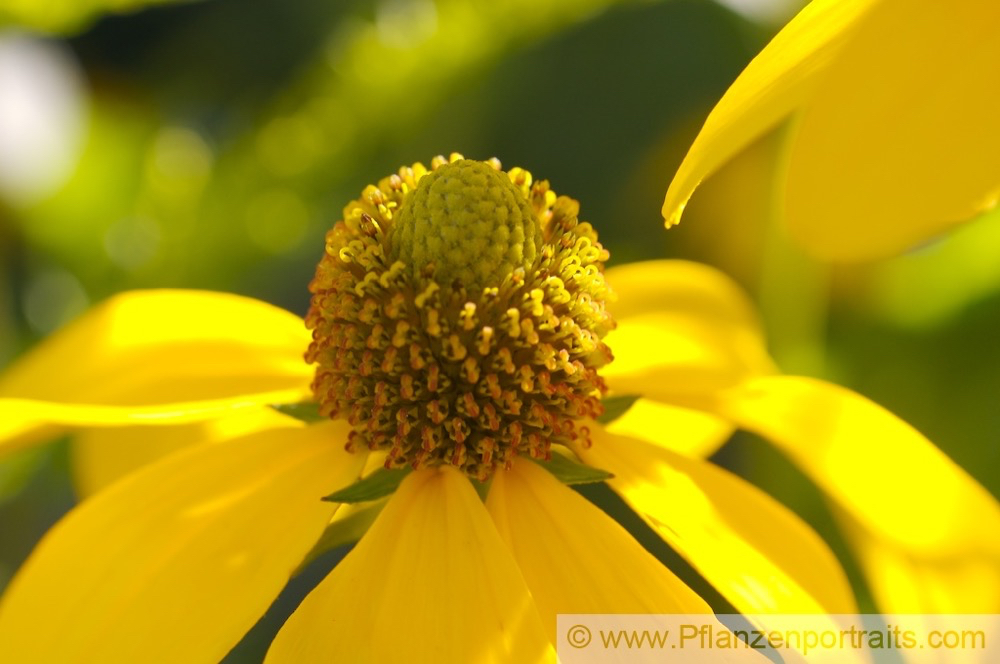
(63, 16)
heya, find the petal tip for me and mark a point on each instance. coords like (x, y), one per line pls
(672, 212)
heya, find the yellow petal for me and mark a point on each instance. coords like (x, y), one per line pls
(902, 582)
(883, 474)
(101, 456)
(774, 85)
(694, 289)
(27, 421)
(684, 330)
(878, 468)
(431, 581)
(688, 432)
(175, 562)
(164, 346)
(759, 555)
(572, 554)
(901, 139)
(162, 350)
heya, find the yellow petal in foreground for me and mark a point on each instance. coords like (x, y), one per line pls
(161, 350)
(886, 477)
(101, 456)
(779, 81)
(572, 554)
(684, 330)
(896, 122)
(164, 346)
(27, 421)
(431, 582)
(900, 141)
(759, 555)
(177, 561)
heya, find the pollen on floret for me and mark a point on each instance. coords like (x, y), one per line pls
(457, 318)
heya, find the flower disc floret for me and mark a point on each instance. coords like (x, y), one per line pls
(469, 357)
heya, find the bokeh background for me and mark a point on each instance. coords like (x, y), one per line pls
(211, 144)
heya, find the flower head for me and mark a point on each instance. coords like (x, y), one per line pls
(457, 318)
(443, 363)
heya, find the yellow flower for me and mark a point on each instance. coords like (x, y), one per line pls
(176, 560)
(894, 134)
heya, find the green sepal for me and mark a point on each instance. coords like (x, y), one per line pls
(379, 484)
(615, 407)
(339, 533)
(570, 471)
(306, 411)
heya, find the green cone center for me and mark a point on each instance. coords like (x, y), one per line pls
(466, 222)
